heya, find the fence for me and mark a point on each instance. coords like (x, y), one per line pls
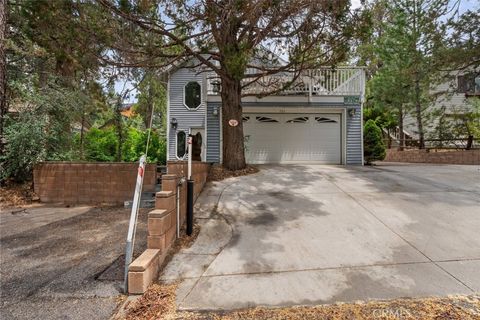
(468, 143)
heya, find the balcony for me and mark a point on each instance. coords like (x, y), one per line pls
(341, 81)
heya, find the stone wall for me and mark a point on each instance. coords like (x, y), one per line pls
(433, 156)
(90, 183)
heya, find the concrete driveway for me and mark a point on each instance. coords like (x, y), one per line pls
(311, 234)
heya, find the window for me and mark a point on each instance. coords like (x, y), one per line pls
(192, 95)
(266, 119)
(298, 120)
(245, 118)
(324, 120)
(469, 84)
(181, 144)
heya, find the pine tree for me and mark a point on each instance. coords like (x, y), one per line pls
(374, 148)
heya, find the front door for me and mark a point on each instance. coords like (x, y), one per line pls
(198, 144)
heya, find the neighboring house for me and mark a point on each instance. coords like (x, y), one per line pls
(317, 120)
(452, 100)
(126, 110)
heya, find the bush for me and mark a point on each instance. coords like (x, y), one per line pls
(136, 143)
(31, 138)
(101, 145)
(374, 148)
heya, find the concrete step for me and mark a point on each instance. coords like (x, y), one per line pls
(148, 203)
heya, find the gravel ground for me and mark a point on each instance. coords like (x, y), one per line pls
(63, 263)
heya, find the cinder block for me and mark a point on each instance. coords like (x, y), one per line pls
(159, 226)
(170, 236)
(165, 200)
(157, 213)
(156, 242)
(143, 271)
(169, 183)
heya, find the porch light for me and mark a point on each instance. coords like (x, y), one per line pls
(174, 123)
(215, 111)
(216, 86)
(352, 111)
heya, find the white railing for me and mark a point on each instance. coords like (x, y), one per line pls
(340, 81)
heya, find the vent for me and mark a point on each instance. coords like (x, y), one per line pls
(266, 119)
(298, 120)
(324, 120)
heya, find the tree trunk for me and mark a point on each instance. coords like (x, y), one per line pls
(82, 135)
(401, 134)
(119, 128)
(3, 69)
(233, 141)
(418, 111)
(148, 112)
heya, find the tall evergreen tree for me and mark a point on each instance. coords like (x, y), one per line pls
(231, 37)
(412, 33)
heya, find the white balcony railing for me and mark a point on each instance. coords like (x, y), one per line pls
(341, 81)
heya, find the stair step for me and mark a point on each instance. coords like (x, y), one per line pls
(148, 203)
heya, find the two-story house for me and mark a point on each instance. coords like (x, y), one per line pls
(318, 119)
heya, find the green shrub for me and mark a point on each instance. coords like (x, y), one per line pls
(373, 145)
(101, 145)
(26, 145)
(136, 143)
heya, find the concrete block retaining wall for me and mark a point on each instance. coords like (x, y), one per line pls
(432, 156)
(162, 222)
(90, 182)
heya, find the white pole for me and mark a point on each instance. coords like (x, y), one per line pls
(132, 226)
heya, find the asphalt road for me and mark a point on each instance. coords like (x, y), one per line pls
(63, 263)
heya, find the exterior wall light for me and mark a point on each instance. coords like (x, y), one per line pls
(215, 111)
(174, 123)
(352, 111)
(216, 86)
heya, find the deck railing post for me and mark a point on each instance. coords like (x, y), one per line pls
(309, 74)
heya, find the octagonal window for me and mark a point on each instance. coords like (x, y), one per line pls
(193, 95)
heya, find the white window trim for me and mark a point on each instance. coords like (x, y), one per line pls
(201, 96)
(176, 144)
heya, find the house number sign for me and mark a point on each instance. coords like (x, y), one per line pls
(233, 122)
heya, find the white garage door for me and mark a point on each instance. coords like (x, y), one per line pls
(292, 138)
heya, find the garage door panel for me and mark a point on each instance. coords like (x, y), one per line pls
(293, 138)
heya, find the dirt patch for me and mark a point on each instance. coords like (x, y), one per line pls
(159, 303)
(186, 241)
(219, 173)
(17, 194)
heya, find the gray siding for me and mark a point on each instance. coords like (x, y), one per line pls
(354, 137)
(196, 118)
(186, 118)
(213, 133)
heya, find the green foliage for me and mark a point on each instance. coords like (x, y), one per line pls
(152, 93)
(374, 148)
(101, 145)
(459, 123)
(40, 128)
(136, 143)
(26, 146)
